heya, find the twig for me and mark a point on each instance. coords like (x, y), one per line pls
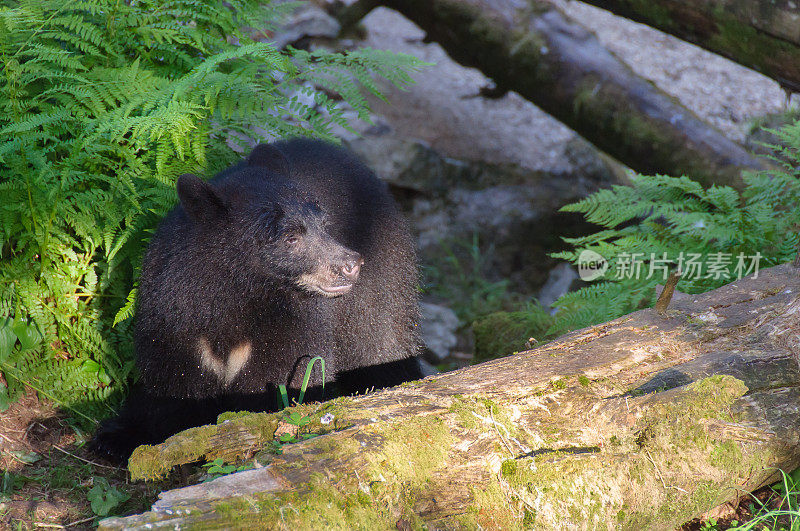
(660, 476)
(53, 526)
(12, 441)
(86, 460)
(71, 524)
(494, 423)
(505, 486)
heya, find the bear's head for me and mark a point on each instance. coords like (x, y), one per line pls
(259, 224)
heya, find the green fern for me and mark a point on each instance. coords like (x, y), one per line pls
(668, 217)
(103, 104)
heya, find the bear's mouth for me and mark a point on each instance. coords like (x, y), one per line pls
(334, 291)
(326, 287)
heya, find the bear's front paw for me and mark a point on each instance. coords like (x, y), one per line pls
(113, 442)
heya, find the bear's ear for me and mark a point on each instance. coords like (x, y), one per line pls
(267, 156)
(199, 199)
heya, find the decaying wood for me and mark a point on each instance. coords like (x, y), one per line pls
(761, 34)
(643, 422)
(665, 296)
(535, 50)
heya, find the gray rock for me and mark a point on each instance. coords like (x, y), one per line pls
(426, 368)
(403, 162)
(438, 327)
(510, 208)
(559, 282)
(307, 20)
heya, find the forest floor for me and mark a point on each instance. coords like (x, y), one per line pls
(48, 480)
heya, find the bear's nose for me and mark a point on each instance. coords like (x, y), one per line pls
(352, 267)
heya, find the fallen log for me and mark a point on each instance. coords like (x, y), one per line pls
(643, 422)
(760, 34)
(535, 50)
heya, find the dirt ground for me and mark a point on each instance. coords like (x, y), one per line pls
(46, 474)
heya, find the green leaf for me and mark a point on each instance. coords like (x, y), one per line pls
(127, 309)
(91, 366)
(217, 468)
(307, 376)
(277, 447)
(25, 457)
(104, 497)
(795, 476)
(7, 339)
(29, 337)
(298, 420)
(95, 369)
(8, 483)
(283, 396)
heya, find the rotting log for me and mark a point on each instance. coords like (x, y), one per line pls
(644, 422)
(534, 49)
(761, 34)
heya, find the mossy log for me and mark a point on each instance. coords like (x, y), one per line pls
(761, 34)
(644, 422)
(535, 50)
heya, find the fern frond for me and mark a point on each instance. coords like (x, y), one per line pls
(104, 104)
(674, 218)
(126, 311)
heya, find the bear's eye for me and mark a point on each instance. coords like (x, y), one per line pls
(292, 239)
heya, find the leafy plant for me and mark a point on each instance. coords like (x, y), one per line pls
(296, 419)
(103, 104)
(674, 221)
(104, 497)
(218, 468)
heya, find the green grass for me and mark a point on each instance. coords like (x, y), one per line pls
(786, 517)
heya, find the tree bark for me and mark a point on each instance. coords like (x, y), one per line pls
(535, 50)
(760, 34)
(644, 422)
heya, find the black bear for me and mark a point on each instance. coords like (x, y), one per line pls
(298, 251)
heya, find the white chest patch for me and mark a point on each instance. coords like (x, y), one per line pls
(226, 371)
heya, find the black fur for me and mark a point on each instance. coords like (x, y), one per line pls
(263, 254)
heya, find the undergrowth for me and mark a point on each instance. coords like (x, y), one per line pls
(656, 225)
(103, 103)
(777, 511)
(713, 235)
(459, 278)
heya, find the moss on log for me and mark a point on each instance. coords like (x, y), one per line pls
(761, 34)
(640, 423)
